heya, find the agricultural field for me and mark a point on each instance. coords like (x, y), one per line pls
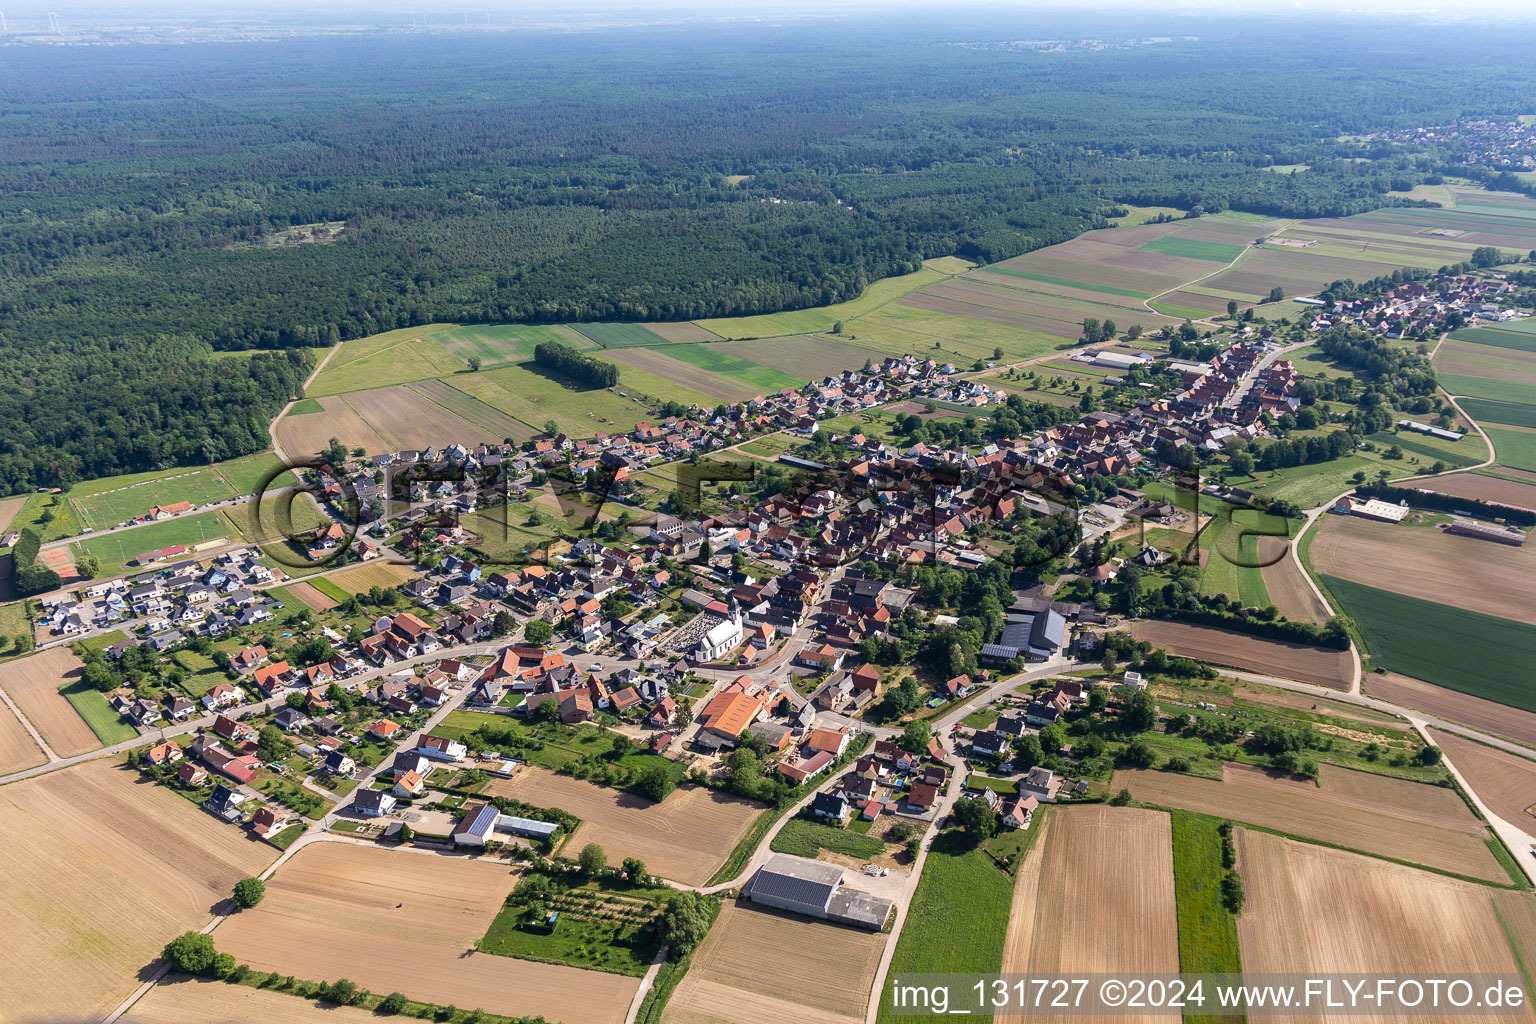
(684, 331)
(33, 683)
(961, 892)
(102, 871)
(1102, 899)
(647, 371)
(1408, 821)
(1507, 413)
(1427, 563)
(1285, 581)
(178, 999)
(754, 967)
(111, 505)
(675, 361)
(377, 573)
(278, 516)
(804, 355)
(246, 474)
(524, 393)
(9, 507)
(1505, 782)
(1255, 654)
(900, 328)
(619, 335)
(17, 748)
(823, 318)
(1474, 712)
(311, 596)
(1442, 644)
(684, 838)
(116, 549)
(415, 416)
(396, 357)
(487, 424)
(504, 343)
(394, 921)
(1193, 249)
(1516, 446)
(302, 436)
(1312, 909)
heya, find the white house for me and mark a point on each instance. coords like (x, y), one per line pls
(721, 639)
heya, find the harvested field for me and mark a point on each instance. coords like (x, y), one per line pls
(1429, 564)
(101, 871)
(656, 361)
(1475, 360)
(308, 434)
(332, 912)
(997, 289)
(372, 574)
(8, 509)
(1101, 901)
(307, 593)
(742, 972)
(407, 419)
(1462, 708)
(492, 425)
(804, 355)
(1484, 488)
(1503, 781)
(619, 335)
(17, 748)
(1194, 300)
(1065, 329)
(1255, 654)
(1252, 796)
(685, 837)
(1312, 909)
(179, 999)
(1287, 584)
(685, 331)
(33, 683)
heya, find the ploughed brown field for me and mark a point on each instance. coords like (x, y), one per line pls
(1287, 584)
(685, 837)
(1251, 653)
(758, 965)
(1430, 564)
(1483, 488)
(1096, 895)
(307, 593)
(101, 871)
(17, 748)
(976, 311)
(400, 921)
(1461, 708)
(1312, 909)
(8, 509)
(1503, 781)
(1408, 821)
(33, 683)
(309, 433)
(179, 999)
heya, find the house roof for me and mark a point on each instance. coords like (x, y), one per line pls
(730, 713)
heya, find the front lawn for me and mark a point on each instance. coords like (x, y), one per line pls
(805, 838)
(109, 726)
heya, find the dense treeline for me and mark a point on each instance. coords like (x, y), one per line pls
(569, 363)
(1448, 503)
(1378, 361)
(148, 194)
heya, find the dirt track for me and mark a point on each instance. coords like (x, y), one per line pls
(331, 912)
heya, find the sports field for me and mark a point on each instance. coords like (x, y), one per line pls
(739, 974)
(1442, 644)
(101, 872)
(119, 548)
(1407, 821)
(684, 838)
(393, 921)
(106, 506)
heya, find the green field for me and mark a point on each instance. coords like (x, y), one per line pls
(524, 393)
(709, 357)
(246, 474)
(823, 318)
(1466, 452)
(107, 508)
(1189, 248)
(396, 357)
(590, 941)
(1516, 448)
(302, 514)
(1184, 312)
(1486, 412)
(1441, 644)
(807, 838)
(504, 343)
(305, 406)
(330, 590)
(1208, 941)
(1522, 339)
(899, 329)
(92, 706)
(1311, 485)
(634, 382)
(961, 893)
(619, 335)
(1488, 387)
(1066, 282)
(119, 548)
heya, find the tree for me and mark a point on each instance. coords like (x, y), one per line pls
(1232, 308)
(191, 953)
(551, 428)
(592, 860)
(684, 922)
(1276, 294)
(1098, 699)
(342, 992)
(393, 1003)
(98, 676)
(503, 624)
(1139, 754)
(975, 818)
(248, 892)
(1427, 756)
(1232, 895)
(1241, 463)
(914, 738)
(548, 710)
(1140, 712)
(538, 632)
(474, 364)
(1027, 752)
(1052, 739)
(271, 744)
(634, 870)
(837, 327)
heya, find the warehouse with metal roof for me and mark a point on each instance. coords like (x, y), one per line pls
(814, 888)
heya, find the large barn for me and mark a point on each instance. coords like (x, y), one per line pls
(814, 888)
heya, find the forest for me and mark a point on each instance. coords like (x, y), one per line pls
(157, 203)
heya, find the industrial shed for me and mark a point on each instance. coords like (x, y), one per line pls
(815, 889)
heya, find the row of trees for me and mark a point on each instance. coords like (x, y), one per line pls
(567, 362)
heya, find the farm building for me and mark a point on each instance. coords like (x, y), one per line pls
(476, 825)
(1119, 360)
(1425, 428)
(525, 827)
(1374, 508)
(814, 888)
(1487, 531)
